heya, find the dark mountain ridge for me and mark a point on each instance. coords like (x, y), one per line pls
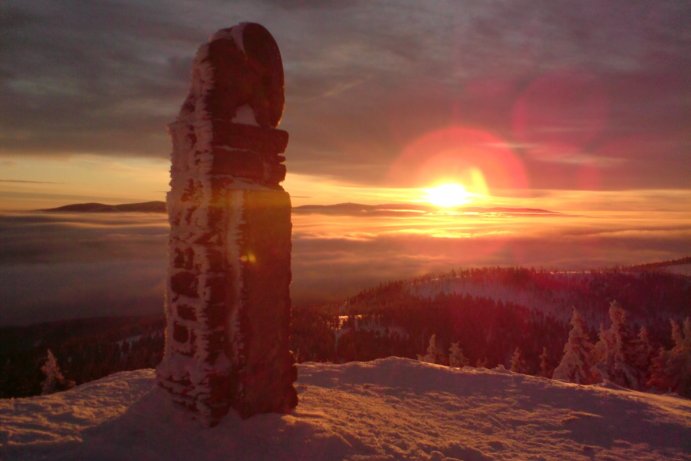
(346, 209)
(94, 207)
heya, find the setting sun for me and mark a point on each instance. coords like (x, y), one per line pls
(448, 195)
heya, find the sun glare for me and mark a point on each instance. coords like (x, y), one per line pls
(448, 195)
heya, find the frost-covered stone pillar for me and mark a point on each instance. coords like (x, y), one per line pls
(228, 301)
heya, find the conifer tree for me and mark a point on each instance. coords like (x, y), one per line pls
(685, 358)
(517, 362)
(642, 357)
(456, 356)
(659, 380)
(434, 352)
(599, 357)
(575, 364)
(677, 335)
(616, 350)
(54, 380)
(671, 370)
(544, 364)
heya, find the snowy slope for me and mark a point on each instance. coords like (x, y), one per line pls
(645, 294)
(683, 269)
(382, 410)
(497, 291)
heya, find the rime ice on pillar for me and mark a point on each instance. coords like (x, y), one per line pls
(227, 300)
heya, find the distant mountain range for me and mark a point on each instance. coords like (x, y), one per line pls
(409, 209)
(93, 207)
(343, 209)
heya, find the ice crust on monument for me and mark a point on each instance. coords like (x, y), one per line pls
(227, 298)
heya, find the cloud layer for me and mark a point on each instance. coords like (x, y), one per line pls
(56, 266)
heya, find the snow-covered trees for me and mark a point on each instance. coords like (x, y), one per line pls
(616, 351)
(575, 365)
(660, 378)
(456, 357)
(643, 356)
(625, 357)
(681, 357)
(435, 352)
(517, 362)
(671, 369)
(54, 380)
(544, 364)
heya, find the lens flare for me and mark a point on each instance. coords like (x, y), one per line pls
(559, 113)
(480, 161)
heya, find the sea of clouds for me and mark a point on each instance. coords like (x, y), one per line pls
(57, 266)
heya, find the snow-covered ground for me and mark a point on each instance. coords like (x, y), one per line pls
(683, 269)
(387, 409)
(496, 291)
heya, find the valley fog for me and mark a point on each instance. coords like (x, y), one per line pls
(57, 266)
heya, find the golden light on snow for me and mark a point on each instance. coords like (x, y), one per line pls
(448, 195)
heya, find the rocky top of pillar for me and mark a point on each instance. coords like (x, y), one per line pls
(234, 104)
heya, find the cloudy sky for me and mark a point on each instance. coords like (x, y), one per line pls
(536, 95)
(580, 107)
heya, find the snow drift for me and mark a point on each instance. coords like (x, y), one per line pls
(387, 409)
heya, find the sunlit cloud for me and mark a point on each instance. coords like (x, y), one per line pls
(25, 181)
(317, 189)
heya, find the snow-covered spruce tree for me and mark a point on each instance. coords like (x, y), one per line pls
(456, 356)
(671, 370)
(544, 364)
(575, 364)
(642, 356)
(658, 379)
(54, 380)
(615, 351)
(684, 353)
(517, 362)
(599, 356)
(434, 353)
